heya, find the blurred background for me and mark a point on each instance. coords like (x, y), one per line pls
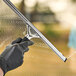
(55, 19)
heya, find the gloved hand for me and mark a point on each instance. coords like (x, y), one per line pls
(12, 57)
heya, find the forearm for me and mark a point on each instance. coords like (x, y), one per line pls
(1, 72)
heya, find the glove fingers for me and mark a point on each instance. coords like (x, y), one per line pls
(29, 42)
(25, 39)
(26, 43)
(26, 49)
(18, 40)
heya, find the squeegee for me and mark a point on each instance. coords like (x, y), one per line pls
(29, 24)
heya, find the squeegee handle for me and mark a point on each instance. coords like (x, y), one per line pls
(25, 20)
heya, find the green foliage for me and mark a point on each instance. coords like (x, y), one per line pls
(52, 34)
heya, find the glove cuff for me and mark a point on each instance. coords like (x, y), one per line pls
(3, 65)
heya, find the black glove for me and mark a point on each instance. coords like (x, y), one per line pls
(12, 57)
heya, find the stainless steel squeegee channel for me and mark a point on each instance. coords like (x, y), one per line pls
(25, 20)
